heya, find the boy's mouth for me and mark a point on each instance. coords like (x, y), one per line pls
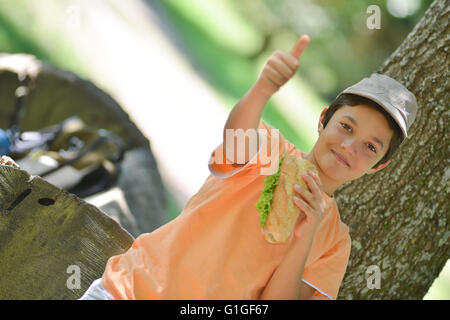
(340, 158)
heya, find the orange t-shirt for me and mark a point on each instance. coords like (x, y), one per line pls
(215, 248)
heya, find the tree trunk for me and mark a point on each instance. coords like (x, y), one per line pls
(398, 217)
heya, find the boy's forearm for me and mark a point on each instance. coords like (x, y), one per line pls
(279, 68)
(245, 115)
(286, 280)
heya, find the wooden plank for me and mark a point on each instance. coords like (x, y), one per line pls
(47, 235)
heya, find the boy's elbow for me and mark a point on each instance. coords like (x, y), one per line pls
(239, 154)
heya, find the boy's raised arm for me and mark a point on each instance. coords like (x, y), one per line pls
(247, 113)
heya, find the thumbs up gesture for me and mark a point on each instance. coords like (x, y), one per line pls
(280, 67)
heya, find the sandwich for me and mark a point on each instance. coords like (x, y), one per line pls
(277, 211)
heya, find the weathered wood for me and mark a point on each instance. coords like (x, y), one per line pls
(46, 234)
(398, 217)
(55, 95)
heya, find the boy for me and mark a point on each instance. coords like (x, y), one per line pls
(215, 248)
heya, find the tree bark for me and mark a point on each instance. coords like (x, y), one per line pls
(398, 217)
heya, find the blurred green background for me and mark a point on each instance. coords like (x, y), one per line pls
(228, 41)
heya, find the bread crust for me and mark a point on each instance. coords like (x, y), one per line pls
(284, 212)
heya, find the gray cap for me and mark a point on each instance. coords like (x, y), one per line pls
(390, 94)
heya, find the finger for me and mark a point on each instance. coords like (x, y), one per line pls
(300, 46)
(275, 76)
(310, 182)
(305, 208)
(302, 205)
(305, 195)
(316, 178)
(314, 187)
(280, 65)
(289, 60)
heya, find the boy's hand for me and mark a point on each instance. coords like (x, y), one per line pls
(311, 203)
(280, 67)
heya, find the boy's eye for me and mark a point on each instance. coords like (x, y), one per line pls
(346, 126)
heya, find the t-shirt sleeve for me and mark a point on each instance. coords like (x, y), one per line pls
(326, 273)
(268, 138)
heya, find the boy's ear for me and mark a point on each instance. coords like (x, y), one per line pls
(321, 120)
(380, 166)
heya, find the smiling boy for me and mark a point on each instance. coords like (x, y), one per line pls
(351, 145)
(358, 134)
(215, 248)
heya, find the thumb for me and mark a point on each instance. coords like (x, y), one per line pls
(300, 46)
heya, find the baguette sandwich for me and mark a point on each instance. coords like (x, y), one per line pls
(277, 211)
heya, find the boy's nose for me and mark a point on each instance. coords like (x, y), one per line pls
(349, 146)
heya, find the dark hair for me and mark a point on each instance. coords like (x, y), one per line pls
(351, 100)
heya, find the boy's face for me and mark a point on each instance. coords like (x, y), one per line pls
(358, 134)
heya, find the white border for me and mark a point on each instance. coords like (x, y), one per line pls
(308, 283)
